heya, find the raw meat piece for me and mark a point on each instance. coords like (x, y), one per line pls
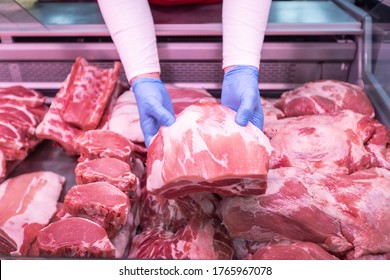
(324, 97)
(21, 96)
(271, 113)
(27, 203)
(291, 251)
(125, 117)
(53, 126)
(343, 213)
(110, 170)
(89, 94)
(13, 141)
(74, 237)
(101, 202)
(319, 148)
(289, 210)
(3, 165)
(104, 143)
(379, 145)
(199, 239)
(206, 150)
(173, 214)
(21, 116)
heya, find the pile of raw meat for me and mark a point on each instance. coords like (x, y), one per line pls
(314, 185)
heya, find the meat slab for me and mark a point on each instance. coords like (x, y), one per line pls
(109, 170)
(291, 251)
(199, 239)
(101, 202)
(325, 96)
(71, 111)
(206, 150)
(27, 203)
(74, 237)
(344, 214)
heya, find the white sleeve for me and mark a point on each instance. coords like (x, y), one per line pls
(244, 23)
(131, 27)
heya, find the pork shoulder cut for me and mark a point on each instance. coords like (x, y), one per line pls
(206, 150)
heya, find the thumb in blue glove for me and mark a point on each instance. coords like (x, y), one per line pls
(240, 92)
(154, 106)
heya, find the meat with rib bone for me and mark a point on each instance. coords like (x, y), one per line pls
(343, 213)
(109, 170)
(90, 93)
(206, 150)
(101, 202)
(325, 96)
(199, 239)
(58, 124)
(104, 143)
(74, 237)
(27, 203)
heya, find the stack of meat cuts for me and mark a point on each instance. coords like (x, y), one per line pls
(21, 110)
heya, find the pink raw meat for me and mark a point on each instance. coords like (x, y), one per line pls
(325, 96)
(291, 251)
(199, 239)
(21, 96)
(74, 237)
(109, 170)
(89, 93)
(101, 202)
(27, 203)
(206, 150)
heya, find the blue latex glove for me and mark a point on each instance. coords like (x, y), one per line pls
(240, 92)
(154, 106)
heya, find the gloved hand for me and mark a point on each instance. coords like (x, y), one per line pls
(240, 92)
(154, 106)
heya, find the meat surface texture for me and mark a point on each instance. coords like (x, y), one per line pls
(27, 203)
(82, 76)
(21, 110)
(291, 251)
(206, 150)
(101, 202)
(74, 237)
(325, 96)
(104, 144)
(109, 170)
(344, 214)
(199, 239)
(125, 116)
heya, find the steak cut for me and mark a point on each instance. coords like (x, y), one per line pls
(27, 203)
(291, 251)
(199, 239)
(109, 170)
(101, 202)
(74, 237)
(206, 150)
(325, 96)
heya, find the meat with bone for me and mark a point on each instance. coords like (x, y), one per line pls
(206, 150)
(21, 96)
(290, 251)
(344, 214)
(104, 143)
(325, 96)
(74, 237)
(82, 75)
(90, 92)
(110, 170)
(101, 202)
(199, 239)
(27, 203)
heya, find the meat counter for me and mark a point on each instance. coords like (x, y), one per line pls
(304, 41)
